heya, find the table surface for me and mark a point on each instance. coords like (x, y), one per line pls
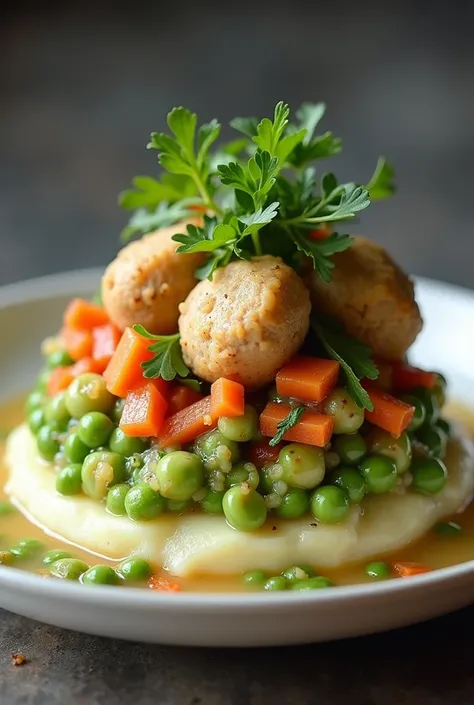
(428, 664)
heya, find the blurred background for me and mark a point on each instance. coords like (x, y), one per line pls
(83, 84)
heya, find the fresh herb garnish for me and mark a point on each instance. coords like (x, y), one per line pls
(167, 362)
(354, 357)
(290, 420)
(258, 194)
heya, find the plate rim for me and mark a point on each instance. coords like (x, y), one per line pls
(66, 283)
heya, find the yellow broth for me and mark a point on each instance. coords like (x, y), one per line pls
(434, 550)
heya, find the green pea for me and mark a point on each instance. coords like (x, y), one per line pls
(134, 570)
(142, 503)
(59, 358)
(434, 439)
(47, 442)
(126, 445)
(348, 418)
(378, 570)
(429, 401)
(439, 390)
(117, 410)
(68, 568)
(237, 475)
(36, 420)
(350, 448)
(54, 555)
(216, 451)
(330, 504)
(350, 480)
(244, 508)
(254, 577)
(74, 449)
(42, 381)
(419, 416)
(379, 473)
(35, 400)
(177, 506)
(298, 572)
(88, 392)
(94, 429)
(180, 474)
(116, 500)
(212, 502)
(27, 548)
(448, 529)
(303, 465)
(6, 558)
(265, 482)
(294, 504)
(316, 583)
(240, 428)
(276, 583)
(6, 508)
(56, 411)
(429, 475)
(69, 480)
(100, 575)
(101, 470)
(444, 426)
(397, 449)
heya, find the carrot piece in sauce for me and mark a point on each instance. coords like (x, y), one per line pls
(189, 423)
(405, 570)
(180, 397)
(144, 411)
(307, 378)
(87, 364)
(84, 315)
(406, 377)
(312, 428)
(227, 398)
(156, 582)
(260, 453)
(389, 413)
(124, 371)
(59, 379)
(77, 342)
(104, 343)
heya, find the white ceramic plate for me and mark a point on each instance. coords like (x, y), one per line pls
(31, 310)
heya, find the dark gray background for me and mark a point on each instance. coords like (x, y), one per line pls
(81, 87)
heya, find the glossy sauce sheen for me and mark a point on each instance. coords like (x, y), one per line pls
(434, 550)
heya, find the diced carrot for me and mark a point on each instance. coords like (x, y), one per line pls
(189, 423)
(180, 397)
(314, 429)
(84, 315)
(227, 398)
(261, 454)
(160, 584)
(391, 414)
(307, 378)
(144, 411)
(59, 379)
(405, 570)
(78, 343)
(87, 364)
(105, 340)
(163, 386)
(321, 233)
(124, 371)
(406, 377)
(385, 378)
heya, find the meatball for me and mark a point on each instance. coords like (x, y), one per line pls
(245, 323)
(148, 280)
(372, 296)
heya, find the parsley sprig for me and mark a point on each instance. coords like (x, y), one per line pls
(354, 357)
(167, 361)
(259, 193)
(290, 420)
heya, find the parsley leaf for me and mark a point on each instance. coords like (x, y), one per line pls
(144, 221)
(309, 116)
(381, 184)
(149, 192)
(269, 133)
(167, 362)
(261, 217)
(288, 422)
(246, 125)
(354, 357)
(321, 251)
(205, 239)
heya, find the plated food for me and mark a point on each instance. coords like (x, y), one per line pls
(236, 410)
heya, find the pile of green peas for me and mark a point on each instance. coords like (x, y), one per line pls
(297, 577)
(78, 431)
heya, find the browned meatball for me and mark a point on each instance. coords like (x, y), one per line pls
(148, 280)
(245, 323)
(372, 296)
